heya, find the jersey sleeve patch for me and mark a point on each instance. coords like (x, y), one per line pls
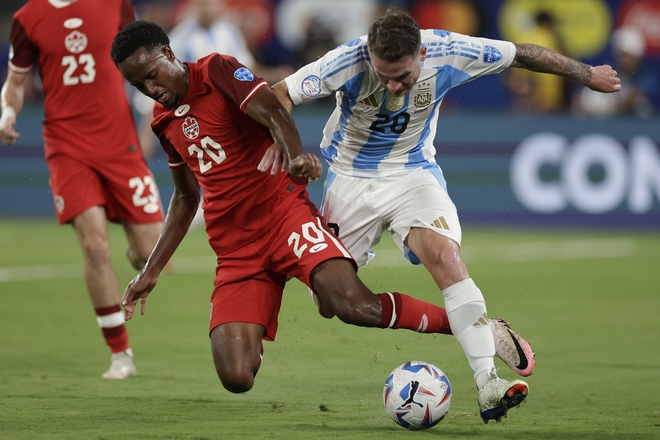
(243, 74)
(492, 55)
(311, 86)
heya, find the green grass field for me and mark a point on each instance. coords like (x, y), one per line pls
(588, 302)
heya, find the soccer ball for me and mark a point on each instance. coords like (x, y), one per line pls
(417, 395)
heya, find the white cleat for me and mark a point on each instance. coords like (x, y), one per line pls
(122, 366)
(512, 348)
(497, 396)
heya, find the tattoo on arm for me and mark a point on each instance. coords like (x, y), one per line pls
(540, 59)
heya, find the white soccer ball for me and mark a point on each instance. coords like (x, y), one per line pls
(417, 395)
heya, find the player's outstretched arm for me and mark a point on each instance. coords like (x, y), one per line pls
(540, 59)
(275, 157)
(266, 109)
(11, 101)
(180, 213)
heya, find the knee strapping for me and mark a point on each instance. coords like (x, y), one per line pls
(459, 294)
(466, 310)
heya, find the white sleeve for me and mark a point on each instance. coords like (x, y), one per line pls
(470, 57)
(330, 73)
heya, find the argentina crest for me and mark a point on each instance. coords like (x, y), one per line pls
(423, 96)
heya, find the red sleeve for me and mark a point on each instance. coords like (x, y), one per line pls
(234, 81)
(128, 14)
(22, 53)
(174, 159)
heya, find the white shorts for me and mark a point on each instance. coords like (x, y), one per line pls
(364, 208)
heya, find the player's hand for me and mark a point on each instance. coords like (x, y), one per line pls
(8, 134)
(274, 158)
(306, 165)
(137, 289)
(604, 79)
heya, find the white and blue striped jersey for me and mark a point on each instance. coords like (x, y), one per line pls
(373, 134)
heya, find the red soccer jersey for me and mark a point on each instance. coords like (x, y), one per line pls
(210, 133)
(87, 113)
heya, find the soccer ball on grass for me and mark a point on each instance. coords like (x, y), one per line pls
(417, 395)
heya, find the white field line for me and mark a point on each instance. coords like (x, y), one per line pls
(75, 270)
(618, 247)
(557, 250)
(581, 249)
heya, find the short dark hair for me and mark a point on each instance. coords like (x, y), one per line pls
(136, 35)
(394, 35)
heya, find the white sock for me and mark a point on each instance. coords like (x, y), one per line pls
(466, 310)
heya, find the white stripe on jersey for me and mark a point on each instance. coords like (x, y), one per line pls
(17, 69)
(373, 135)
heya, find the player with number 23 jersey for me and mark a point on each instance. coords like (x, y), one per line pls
(91, 162)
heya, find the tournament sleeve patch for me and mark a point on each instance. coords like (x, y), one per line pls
(311, 86)
(243, 74)
(491, 55)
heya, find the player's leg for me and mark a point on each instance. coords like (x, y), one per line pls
(464, 302)
(244, 308)
(466, 310)
(354, 213)
(341, 293)
(103, 288)
(141, 240)
(237, 350)
(362, 208)
(306, 247)
(430, 233)
(132, 199)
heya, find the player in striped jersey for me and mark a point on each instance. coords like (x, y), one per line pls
(382, 172)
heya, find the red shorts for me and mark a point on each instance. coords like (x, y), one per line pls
(126, 189)
(249, 281)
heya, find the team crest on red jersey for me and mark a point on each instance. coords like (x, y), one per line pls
(190, 127)
(75, 42)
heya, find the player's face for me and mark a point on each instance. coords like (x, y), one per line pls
(400, 76)
(157, 74)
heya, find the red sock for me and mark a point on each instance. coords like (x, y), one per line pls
(404, 311)
(111, 321)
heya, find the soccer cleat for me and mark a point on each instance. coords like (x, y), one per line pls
(497, 396)
(512, 348)
(136, 262)
(122, 366)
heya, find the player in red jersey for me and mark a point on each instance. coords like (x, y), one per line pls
(216, 120)
(97, 171)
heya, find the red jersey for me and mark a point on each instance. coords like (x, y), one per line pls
(87, 113)
(210, 133)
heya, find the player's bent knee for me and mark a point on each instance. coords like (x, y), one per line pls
(237, 382)
(324, 310)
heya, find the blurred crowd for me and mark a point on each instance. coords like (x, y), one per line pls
(275, 37)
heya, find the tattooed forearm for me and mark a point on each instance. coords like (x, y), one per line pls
(540, 59)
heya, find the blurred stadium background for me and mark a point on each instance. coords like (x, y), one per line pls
(510, 158)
